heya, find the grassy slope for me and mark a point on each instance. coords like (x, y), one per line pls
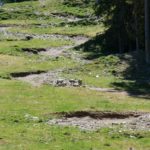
(17, 99)
(14, 47)
(90, 30)
(11, 64)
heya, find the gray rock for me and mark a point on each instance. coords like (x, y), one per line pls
(60, 82)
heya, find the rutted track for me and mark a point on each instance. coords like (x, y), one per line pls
(50, 51)
(85, 120)
(51, 77)
(76, 39)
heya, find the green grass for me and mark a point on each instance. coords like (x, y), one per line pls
(14, 47)
(11, 64)
(49, 7)
(36, 21)
(90, 30)
(17, 98)
(52, 138)
(99, 72)
(46, 99)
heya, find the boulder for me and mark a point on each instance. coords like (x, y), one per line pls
(65, 82)
(61, 82)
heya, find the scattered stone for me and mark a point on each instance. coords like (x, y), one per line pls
(65, 82)
(38, 78)
(140, 123)
(97, 76)
(28, 38)
(73, 82)
(56, 51)
(31, 118)
(97, 120)
(77, 39)
(60, 82)
(67, 17)
(34, 50)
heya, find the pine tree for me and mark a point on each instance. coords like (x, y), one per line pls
(147, 31)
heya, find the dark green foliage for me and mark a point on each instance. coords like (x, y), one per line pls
(125, 20)
(11, 1)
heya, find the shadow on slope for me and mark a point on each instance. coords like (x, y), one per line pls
(136, 76)
(136, 73)
(95, 48)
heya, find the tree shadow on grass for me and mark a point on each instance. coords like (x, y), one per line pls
(136, 76)
(97, 47)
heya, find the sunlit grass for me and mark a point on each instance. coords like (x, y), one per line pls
(11, 64)
(18, 99)
(90, 31)
(14, 46)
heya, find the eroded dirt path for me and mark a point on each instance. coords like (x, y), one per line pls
(54, 78)
(37, 79)
(96, 120)
(51, 77)
(50, 51)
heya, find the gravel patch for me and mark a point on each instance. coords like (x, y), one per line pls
(93, 121)
(50, 78)
(140, 123)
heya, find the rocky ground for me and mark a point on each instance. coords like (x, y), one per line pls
(50, 78)
(125, 121)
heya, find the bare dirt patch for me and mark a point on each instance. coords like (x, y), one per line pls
(23, 74)
(37, 78)
(50, 78)
(50, 51)
(56, 51)
(34, 50)
(67, 17)
(79, 39)
(140, 123)
(101, 114)
(85, 120)
(2, 141)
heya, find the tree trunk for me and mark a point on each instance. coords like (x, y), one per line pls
(136, 26)
(147, 31)
(136, 33)
(120, 43)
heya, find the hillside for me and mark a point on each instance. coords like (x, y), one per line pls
(61, 89)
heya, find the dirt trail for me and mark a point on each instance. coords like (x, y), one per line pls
(5, 34)
(51, 76)
(97, 120)
(51, 51)
(65, 50)
(54, 52)
(66, 17)
(108, 90)
(37, 79)
(3, 30)
(79, 39)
